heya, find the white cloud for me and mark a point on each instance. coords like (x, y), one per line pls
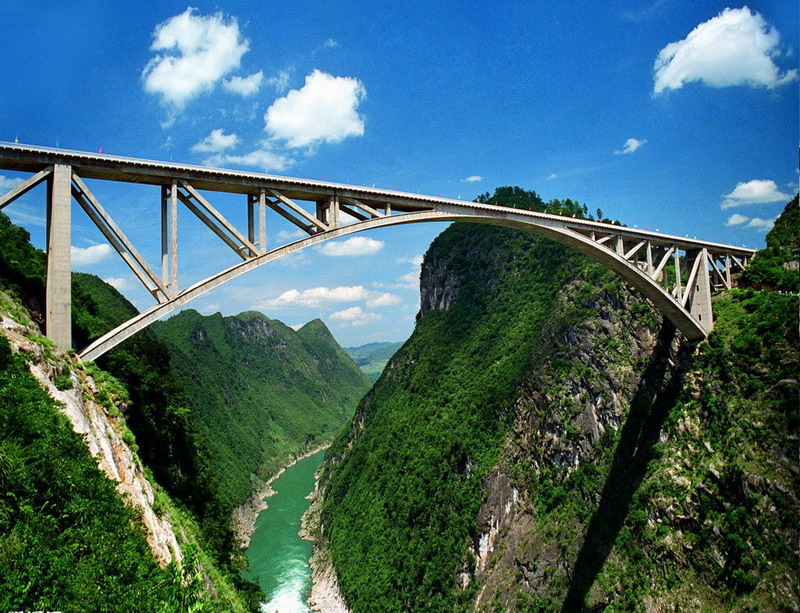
(736, 220)
(263, 158)
(355, 246)
(210, 308)
(757, 191)
(355, 316)
(736, 47)
(318, 296)
(7, 183)
(472, 179)
(330, 44)
(290, 235)
(279, 82)
(411, 280)
(244, 86)
(119, 283)
(415, 261)
(208, 47)
(761, 224)
(216, 141)
(382, 300)
(323, 110)
(631, 145)
(86, 256)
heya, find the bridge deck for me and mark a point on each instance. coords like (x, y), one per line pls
(26, 158)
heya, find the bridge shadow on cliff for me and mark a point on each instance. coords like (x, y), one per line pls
(656, 395)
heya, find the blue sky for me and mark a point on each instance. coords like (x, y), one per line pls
(668, 114)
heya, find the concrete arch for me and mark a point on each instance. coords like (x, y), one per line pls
(526, 221)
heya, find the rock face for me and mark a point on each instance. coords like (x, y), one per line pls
(104, 438)
(548, 431)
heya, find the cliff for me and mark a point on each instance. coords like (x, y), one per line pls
(545, 442)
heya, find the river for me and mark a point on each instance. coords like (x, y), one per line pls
(278, 557)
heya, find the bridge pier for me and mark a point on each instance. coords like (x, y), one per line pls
(58, 293)
(700, 291)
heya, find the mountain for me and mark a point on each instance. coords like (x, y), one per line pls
(260, 391)
(372, 357)
(545, 441)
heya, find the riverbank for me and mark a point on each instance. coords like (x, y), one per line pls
(324, 596)
(244, 517)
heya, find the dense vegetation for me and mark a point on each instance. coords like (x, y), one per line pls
(67, 540)
(778, 266)
(283, 391)
(158, 410)
(650, 476)
(430, 431)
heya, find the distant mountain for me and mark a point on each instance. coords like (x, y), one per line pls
(372, 357)
(260, 391)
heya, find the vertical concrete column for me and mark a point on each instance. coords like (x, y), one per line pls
(173, 235)
(262, 220)
(165, 234)
(58, 295)
(700, 303)
(251, 219)
(333, 208)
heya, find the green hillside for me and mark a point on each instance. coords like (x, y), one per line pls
(67, 539)
(373, 357)
(543, 442)
(259, 390)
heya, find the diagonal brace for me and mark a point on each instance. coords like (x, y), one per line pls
(25, 186)
(89, 203)
(216, 222)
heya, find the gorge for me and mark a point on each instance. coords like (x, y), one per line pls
(543, 442)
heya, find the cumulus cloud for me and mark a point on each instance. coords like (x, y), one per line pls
(736, 47)
(264, 158)
(631, 145)
(736, 219)
(216, 141)
(198, 51)
(285, 236)
(383, 299)
(757, 191)
(472, 179)
(244, 86)
(318, 296)
(324, 110)
(355, 316)
(355, 246)
(119, 283)
(762, 225)
(7, 183)
(280, 82)
(415, 261)
(86, 256)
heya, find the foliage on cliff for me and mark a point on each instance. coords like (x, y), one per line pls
(67, 540)
(158, 414)
(639, 474)
(260, 391)
(400, 505)
(778, 266)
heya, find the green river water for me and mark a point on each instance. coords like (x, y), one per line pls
(278, 557)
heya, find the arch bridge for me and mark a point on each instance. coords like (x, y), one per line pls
(681, 291)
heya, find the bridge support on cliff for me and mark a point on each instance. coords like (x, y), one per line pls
(676, 274)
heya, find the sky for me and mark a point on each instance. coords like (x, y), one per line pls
(673, 115)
